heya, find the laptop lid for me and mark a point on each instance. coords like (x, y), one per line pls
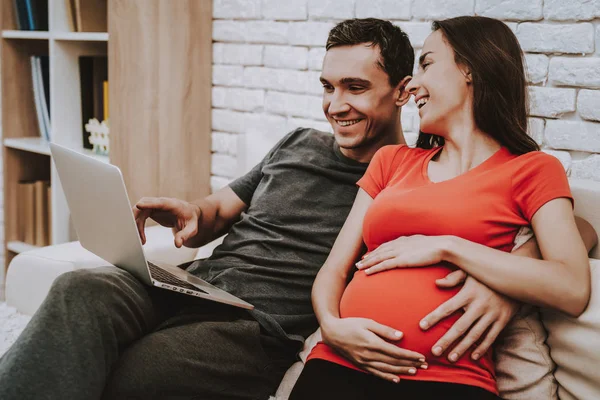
(100, 210)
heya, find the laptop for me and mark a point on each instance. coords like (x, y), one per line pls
(103, 219)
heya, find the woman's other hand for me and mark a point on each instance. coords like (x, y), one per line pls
(406, 251)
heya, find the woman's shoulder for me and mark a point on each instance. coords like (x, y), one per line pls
(537, 165)
(537, 159)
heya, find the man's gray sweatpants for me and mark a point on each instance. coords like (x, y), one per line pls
(101, 333)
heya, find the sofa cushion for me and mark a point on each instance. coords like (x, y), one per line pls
(524, 368)
(575, 346)
(31, 274)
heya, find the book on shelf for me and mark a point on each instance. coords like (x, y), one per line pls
(70, 5)
(93, 73)
(31, 15)
(105, 99)
(41, 213)
(49, 212)
(34, 212)
(87, 15)
(27, 212)
(41, 93)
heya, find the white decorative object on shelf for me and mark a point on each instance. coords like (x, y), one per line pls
(99, 136)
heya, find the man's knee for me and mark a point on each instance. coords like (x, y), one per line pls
(90, 286)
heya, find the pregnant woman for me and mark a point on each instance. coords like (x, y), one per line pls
(456, 201)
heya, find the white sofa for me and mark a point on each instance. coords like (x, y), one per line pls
(574, 343)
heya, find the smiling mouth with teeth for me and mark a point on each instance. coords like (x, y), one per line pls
(348, 123)
(422, 101)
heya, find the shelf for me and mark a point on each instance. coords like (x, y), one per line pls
(15, 34)
(81, 36)
(40, 146)
(31, 144)
(20, 247)
(63, 36)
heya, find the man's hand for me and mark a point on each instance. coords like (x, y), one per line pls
(486, 314)
(179, 215)
(366, 344)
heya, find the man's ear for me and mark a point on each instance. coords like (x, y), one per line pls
(402, 95)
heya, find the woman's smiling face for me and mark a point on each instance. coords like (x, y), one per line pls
(442, 89)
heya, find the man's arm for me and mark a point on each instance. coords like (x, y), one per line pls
(219, 212)
(193, 223)
(587, 232)
(486, 304)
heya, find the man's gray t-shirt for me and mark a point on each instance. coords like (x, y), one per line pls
(298, 198)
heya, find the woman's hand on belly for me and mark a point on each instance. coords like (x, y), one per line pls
(406, 251)
(366, 344)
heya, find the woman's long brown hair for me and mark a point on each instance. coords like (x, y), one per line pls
(494, 57)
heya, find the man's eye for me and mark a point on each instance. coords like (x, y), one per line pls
(328, 88)
(356, 88)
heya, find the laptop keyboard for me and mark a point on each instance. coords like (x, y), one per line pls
(163, 276)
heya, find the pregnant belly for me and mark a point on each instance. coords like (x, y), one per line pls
(400, 298)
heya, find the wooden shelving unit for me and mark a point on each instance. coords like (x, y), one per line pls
(31, 144)
(14, 34)
(81, 36)
(160, 66)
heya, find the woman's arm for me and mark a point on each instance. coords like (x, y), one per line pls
(362, 341)
(560, 281)
(331, 280)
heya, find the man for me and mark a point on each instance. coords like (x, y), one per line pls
(101, 333)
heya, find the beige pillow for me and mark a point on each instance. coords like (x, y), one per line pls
(523, 364)
(524, 368)
(575, 346)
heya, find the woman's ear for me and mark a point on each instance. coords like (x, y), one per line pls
(467, 73)
(403, 95)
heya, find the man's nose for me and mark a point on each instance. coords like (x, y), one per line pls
(338, 105)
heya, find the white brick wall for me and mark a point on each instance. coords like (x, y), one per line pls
(268, 53)
(510, 10)
(551, 102)
(439, 9)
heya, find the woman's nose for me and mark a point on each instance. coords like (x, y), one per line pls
(412, 86)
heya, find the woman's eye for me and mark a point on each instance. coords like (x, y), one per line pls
(424, 66)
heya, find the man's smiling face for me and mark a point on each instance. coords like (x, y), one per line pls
(358, 100)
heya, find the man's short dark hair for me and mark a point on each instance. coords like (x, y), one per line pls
(397, 54)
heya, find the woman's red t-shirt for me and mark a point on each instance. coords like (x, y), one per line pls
(487, 205)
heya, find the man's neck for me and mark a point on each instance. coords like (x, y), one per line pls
(366, 153)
